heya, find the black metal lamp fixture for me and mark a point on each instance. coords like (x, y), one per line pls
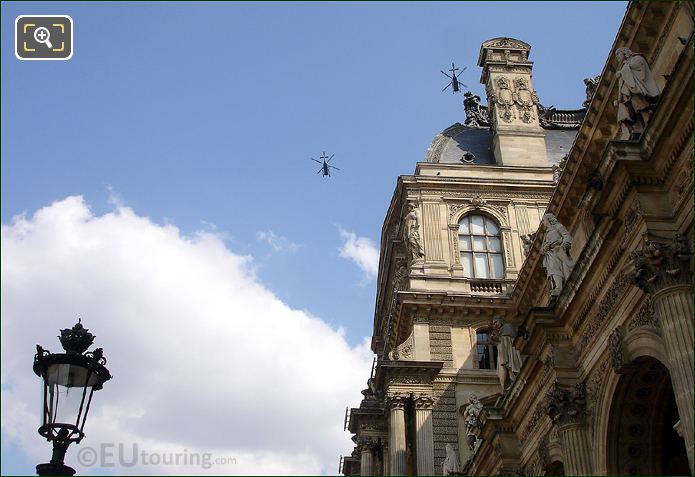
(69, 381)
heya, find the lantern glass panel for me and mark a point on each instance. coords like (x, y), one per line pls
(69, 387)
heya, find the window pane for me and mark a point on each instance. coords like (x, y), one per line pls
(482, 337)
(497, 265)
(464, 242)
(495, 245)
(491, 227)
(477, 225)
(481, 270)
(467, 262)
(478, 243)
(463, 226)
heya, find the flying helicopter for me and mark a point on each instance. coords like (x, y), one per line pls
(454, 77)
(325, 166)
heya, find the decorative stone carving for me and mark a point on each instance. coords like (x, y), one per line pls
(615, 347)
(637, 93)
(508, 357)
(404, 351)
(632, 216)
(558, 168)
(657, 265)
(645, 316)
(400, 279)
(423, 401)
(503, 98)
(543, 454)
(476, 114)
(407, 380)
(591, 85)
(472, 418)
(556, 260)
(411, 232)
(525, 98)
(614, 292)
(478, 202)
(451, 462)
(527, 241)
(565, 406)
(396, 400)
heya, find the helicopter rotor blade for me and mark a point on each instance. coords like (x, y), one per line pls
(447, 86)
(464, 69)
(333, 167)
(319, 171)
(329, 159)
(463, 84)
(315, 160)
(445, 74)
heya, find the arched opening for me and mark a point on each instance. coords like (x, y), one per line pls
(641, 436)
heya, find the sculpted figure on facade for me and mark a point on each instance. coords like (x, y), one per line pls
(476, 114)
(527, 242)
(637, 93)
(591, 84)
(451, 462)
(556, 260)
(472, 419)
(411, 231)
(508, 357)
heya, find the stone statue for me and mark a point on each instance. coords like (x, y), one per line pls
(527, 241)
(471, 417)
(451, 462)
(476, 115)
(411, 232)
(556, 260)
(637, 93)
(508, 357)
(591, 84)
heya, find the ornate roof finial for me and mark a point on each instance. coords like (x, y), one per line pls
(77, 339)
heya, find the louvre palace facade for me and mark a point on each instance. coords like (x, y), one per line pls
(534, 309)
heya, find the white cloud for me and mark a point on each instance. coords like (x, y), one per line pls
(204, 359)
(362, 251)
(277, 242)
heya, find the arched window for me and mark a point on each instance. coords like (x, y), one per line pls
(480, 247)
(487, 351)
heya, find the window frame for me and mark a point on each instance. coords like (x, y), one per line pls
(487, 345)
(467, 238)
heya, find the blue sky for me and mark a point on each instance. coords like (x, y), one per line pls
(204, 116)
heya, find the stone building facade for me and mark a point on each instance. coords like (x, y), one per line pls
(534, 310)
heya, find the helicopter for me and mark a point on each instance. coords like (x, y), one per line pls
(325, 167)
(454, 77)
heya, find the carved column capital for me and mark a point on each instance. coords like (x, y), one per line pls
(657, 265)
(367, 444)
(396, 400)
(566, 405)
(423, 401)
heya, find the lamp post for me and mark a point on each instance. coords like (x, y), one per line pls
(69, 381)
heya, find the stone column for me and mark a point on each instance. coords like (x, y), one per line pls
(397, 445)
(366, 456)
(662, 269)
(566, 407)
(385, 459)
(424, 434)
(673, 308)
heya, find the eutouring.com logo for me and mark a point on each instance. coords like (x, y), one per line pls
(131, 455)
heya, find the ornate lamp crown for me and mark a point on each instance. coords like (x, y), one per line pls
(77, 339)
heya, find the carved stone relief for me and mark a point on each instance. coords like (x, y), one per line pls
(657, 265)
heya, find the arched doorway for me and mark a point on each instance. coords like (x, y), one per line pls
(641, 437)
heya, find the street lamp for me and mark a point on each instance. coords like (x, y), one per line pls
(69, 381)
